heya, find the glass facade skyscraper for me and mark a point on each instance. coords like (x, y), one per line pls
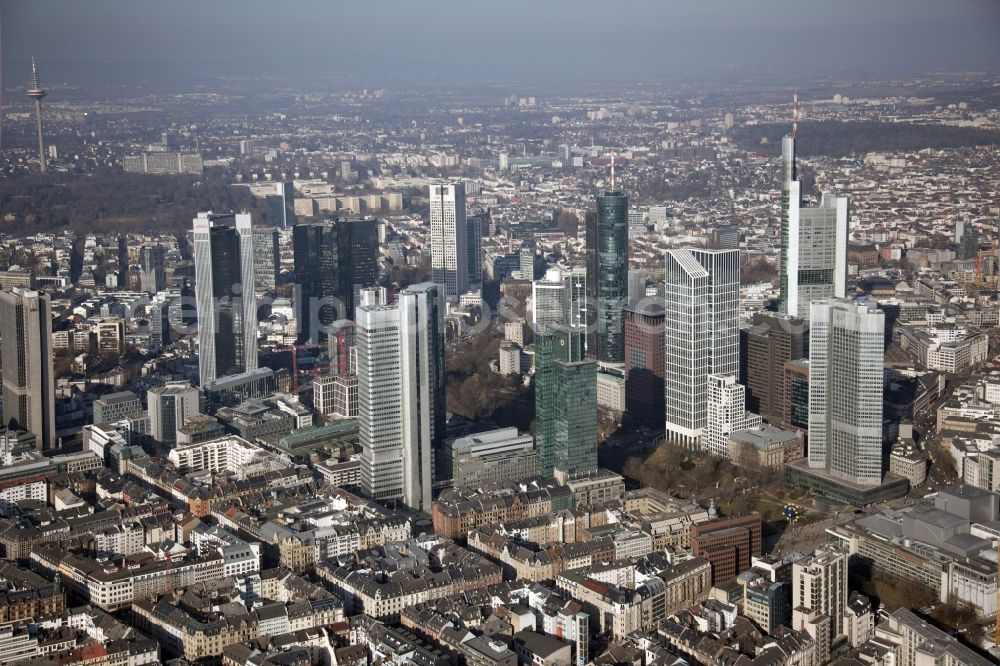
(475, 227)
(701, 334)
(281, 205)
(401, 411)
(151, 274)
(813, 243)
(611, 279)
(224, 291)
(565, 405)
(266, 257)
(333, 262)
(422, 377)
(846, 358)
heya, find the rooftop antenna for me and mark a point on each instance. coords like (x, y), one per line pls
(612, 171)
(795, 114)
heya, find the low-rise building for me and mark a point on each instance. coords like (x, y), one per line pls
(486, 457)
(767, 446)
(400, 574)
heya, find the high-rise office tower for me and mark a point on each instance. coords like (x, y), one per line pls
(401, 394)
(380, 410)
(819, 595)
(813, 242)
(159, 323)
(170, 406)
(266, 258)
(559, 300)
(701, 334)
(525, 261)
(590, 266)
(37, 93)
(421, 353)
(726, 413)
(547, 300)
(151, 274)
(449, 248)
(565, 407)
(766, 345)
(612, 275)
(224, 292)
(281, 205)
(334, 261)
(122, 262)
(576, 307)
(26, 351)
(644, 361)
(967, 240)
(795, 406)
(475, 228)
(846, 357)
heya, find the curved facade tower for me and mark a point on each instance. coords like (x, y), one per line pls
(612, 275)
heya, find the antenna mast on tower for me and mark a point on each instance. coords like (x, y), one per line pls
(795, 114)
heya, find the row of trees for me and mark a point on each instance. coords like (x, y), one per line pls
(839, 139)
(114, 201)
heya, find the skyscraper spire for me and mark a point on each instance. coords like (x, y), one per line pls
(612, 171)
(36, 93)
(795, 114)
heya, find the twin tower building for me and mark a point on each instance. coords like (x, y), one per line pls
(400, 347)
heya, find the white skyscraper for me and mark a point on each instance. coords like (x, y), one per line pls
(224, 292)
(401, 394)
(380, 410)
(449, 247)
(548, 300)
(421, 337)
(726, 414)
(846, 357)
(701, 334)
(813, 243)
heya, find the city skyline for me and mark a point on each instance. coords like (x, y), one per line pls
(658, 333)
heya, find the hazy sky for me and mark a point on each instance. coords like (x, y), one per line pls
(631, 39)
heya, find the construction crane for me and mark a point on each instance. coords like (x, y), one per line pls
(294, 349)
(986, 275)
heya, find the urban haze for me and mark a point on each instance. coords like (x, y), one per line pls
(500, 334)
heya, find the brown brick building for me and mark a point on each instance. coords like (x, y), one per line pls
(765, 347)
(728, 544)
(644, 362)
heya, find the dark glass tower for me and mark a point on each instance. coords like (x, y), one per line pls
(333, 262)
(152, 277)
(565, 406)
(771, 341)
(281, 206)
(612, 275)
(475, 225)
(590, 264)
(229, 344)
(227, 308)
